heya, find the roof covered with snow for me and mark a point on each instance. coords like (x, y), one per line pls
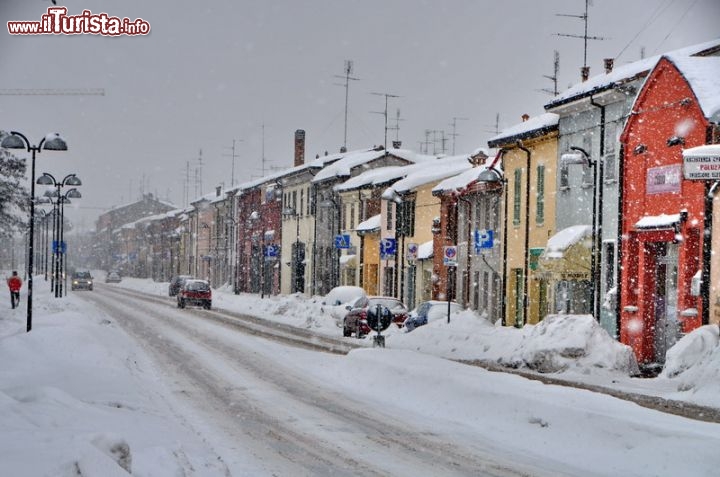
(377, 176)
(710, 150)
(429, 172)
(703, 76)
(534, 126)
(623, 73)
(460, 181)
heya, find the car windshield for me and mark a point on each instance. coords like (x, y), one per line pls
(82, 275)
(197, 286)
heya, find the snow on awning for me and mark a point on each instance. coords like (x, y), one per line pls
(564, 239)
(709, 150)
(370, 225)
(269, 235)
(348, 261)
(662, 221)
(425, 250)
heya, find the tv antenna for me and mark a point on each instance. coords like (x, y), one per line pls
(233, 155)
(585, 37)
(554, 77)
(385, 112)
(348, 71)
(454, 134)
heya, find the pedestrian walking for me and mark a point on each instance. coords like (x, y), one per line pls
(14, 284)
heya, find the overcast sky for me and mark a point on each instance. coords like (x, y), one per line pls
(214, 71)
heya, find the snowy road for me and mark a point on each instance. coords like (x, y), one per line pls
(264, 417)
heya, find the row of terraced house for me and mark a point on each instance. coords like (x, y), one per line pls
(603, 204)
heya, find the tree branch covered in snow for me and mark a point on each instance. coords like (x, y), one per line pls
(14, 197)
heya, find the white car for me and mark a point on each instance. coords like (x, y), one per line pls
(342, 299)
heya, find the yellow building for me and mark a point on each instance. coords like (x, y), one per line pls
(529, 161)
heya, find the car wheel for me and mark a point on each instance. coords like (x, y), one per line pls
(182, 303)
(347, 332)
(206, 305)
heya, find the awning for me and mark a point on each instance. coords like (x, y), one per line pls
(348, 261)
(658, 222)
(567, 255)
(425, 250)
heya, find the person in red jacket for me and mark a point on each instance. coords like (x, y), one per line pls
(14, 283)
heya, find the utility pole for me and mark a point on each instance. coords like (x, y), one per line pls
(585, 37)
(233, 155)
(454, 130)
(262, 151)
(198, 177)
(348, 71)
(385, 112)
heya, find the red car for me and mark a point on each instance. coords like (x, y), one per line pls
(195, 293)
(356, 319)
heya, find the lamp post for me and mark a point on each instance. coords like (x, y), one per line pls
(581, 156)
(51, 142)
(230, 250)
(205, 226)
(69, 180)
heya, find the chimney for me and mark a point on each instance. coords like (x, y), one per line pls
(299, 147)
(397, 144)
(609, 62)
(525, 117)
(343, 149)
(584, 73)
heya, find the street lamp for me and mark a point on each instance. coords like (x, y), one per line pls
(51, 142)
(61, 199)
(581, 156)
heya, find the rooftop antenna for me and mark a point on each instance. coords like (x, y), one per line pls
(233, 155)
(198, 176)
(262, 158)
(585, 37)
(496, 127)
(554, 77)
(348, 71)
(454, 133)
(426, 143)
(385, 112)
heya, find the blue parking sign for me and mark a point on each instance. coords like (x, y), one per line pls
(388, 248)
(484, 239)
(342, 241)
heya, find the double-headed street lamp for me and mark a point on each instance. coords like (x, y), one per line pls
(581, 156)
(51, 142)
(59, 204)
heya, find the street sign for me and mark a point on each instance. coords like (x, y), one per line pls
(704, 168)
(271, 252)
(483, 239)
(412, 251)
(450, 256)
(388, 248)
(342, 241)
(59, 247)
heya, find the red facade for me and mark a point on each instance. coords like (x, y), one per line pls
(662, 215)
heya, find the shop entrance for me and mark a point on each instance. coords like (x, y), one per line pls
(667, 327)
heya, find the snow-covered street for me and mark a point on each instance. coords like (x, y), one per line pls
(103, 379)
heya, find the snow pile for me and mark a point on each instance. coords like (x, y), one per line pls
(572, 342)
(694, 362)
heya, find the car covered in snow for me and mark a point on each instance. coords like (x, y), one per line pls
(195, 293)
(113, 277)
(342, 299)
(428, 311)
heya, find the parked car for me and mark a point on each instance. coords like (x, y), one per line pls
(177, 282)
(113, 277)
(428, 311)
(355, 321)
(81, 280)
(342, 299)
(195, 293)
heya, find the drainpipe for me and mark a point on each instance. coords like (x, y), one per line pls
(619, 239)
(600, 166)
(313, 210)
(707, 251)
(469, 247)
(526, 258)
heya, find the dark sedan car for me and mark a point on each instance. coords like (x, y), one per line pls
(176, 283)
(81, 281)
(356, 319)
